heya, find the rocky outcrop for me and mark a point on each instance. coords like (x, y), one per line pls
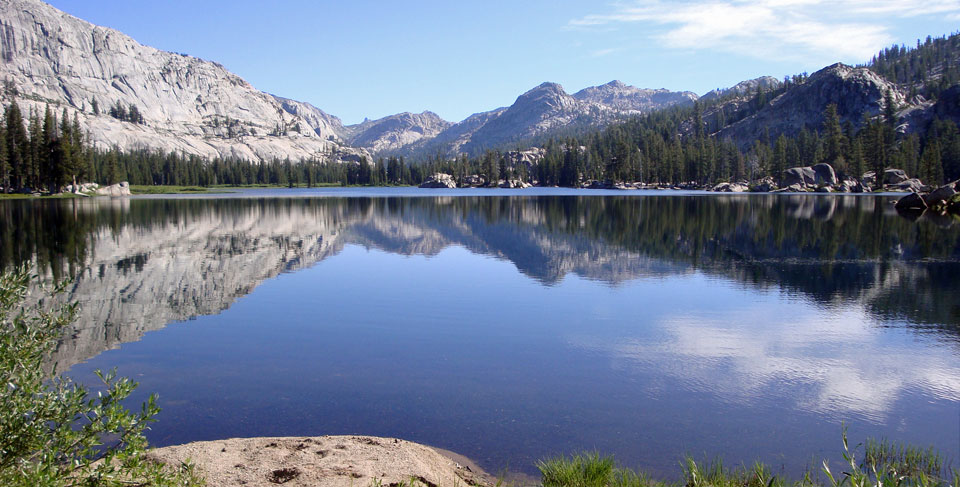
(944, 199)
(894, 176)
(474, 180)
(119, 189)
(188, 105)
(439, 180)
(740, 187)
(857, 92)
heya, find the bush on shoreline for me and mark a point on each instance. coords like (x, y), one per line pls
(54, 432)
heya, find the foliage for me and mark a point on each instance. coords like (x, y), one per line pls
(56, 432)
(883, 464)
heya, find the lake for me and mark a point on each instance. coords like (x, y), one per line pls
(509, 326)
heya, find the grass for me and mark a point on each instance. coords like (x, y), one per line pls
(143, 189)
(872, 464)
(21, 196)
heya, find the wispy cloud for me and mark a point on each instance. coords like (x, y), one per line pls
(846, 29)
(603, 52)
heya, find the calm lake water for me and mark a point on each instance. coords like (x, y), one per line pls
(513, 325)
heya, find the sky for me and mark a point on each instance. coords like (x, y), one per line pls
(361, 59)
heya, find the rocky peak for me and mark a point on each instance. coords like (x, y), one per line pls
(395, 131)
(857, 92)
(747, 87)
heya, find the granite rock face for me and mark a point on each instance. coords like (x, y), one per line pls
(395, 131)
(855, 91)
(188, 105)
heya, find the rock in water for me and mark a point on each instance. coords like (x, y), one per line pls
(939, 196)
(912, 201)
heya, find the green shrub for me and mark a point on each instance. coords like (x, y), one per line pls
(54, 432)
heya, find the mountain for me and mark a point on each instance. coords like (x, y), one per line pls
(548, 110)
(187, 104)
(748, 87)
(629, 99)
(855, 91)
(395, 131)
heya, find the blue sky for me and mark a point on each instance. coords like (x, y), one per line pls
(364, 58)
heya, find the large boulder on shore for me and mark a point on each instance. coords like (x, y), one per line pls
(119, 189)
(894, 176)
(824, 174)
(439, 180)
(912, 185)
(803, 176)
(730, 188)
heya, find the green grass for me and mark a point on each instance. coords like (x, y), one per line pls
(143, 189)
(871, 464)
(20, 196)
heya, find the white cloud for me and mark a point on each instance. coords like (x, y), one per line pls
(846, 29)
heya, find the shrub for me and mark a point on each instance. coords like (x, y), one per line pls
(54, 432)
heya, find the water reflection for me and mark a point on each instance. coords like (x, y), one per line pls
(140, 264)
(658, 315)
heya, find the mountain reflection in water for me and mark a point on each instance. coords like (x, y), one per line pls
(141, 264)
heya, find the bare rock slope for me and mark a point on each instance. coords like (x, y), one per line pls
(188, 104)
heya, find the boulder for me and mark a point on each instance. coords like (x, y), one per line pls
(474, 180)
(851, 186)
(869, 179)
(793, 188)
(894, 176)
(730, 188)
(439, 180)
(939, 196)
(825, 174)
(803, 176)
(824, 189)
(594, 184)
(765, 185)
(514, 184)
(912, 185)
(912, 201)
(119, 189)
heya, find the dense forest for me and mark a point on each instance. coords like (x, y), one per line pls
(667, 147)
